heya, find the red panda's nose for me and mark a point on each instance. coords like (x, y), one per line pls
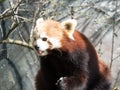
(36, 47)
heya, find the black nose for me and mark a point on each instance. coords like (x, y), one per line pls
(36, 47)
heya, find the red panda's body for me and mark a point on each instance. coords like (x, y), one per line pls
(73, 66)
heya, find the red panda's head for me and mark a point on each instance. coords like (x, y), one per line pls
(48, 34)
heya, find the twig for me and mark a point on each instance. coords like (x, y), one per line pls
(14, 25)
(72, 12)
(21, 36)
(112, 50)
(17, 42)
(99, 49)
(117, 78)
(25, 19)
(116, 57)
(6, 14)
(10, 11)
(113, 34)
(17, 5)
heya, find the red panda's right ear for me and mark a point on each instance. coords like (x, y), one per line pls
(40, 20)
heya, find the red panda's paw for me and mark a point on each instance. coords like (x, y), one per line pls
(62, 83)
(71, 83)
(60, 80)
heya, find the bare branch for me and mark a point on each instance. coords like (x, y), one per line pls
(17, 5)
(113, 33)
(10, 11)
(6, 13)
(14, 25)
(21, 36)
(112, 50)
(17, 42)
(117, 78)
(25, 19)
(116, 57)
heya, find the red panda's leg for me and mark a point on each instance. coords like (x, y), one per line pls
(73, 82)
(79, 79)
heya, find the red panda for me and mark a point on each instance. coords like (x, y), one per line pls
(68, 59)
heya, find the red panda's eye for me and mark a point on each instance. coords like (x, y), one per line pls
(44, 39)
(34, 39)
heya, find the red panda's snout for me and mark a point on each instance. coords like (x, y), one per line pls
(38, 50)
(44, 44)
(41, 46)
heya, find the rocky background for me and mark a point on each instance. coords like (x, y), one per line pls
(99, 20)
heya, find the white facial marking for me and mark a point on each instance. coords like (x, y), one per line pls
(55, 43)
(43, 35)
(42, 45)
(45, 43)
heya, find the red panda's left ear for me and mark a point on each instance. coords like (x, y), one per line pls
(69, 26)
(40, 20)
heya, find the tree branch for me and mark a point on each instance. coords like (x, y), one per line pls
(13, 26)
(116, 80)
(17, 42)
(10, 11)
(113, 33)
(116, 57)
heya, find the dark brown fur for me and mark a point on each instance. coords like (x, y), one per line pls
(78, 64)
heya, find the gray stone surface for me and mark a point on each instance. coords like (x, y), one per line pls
(8, 79)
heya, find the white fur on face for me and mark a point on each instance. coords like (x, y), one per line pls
(49, 44)
(43, 45)
(55, 43)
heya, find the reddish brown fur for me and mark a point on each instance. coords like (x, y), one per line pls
(76, 62)
(104, 70)
(72, 45)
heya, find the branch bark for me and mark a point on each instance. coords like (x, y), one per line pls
(17, 42)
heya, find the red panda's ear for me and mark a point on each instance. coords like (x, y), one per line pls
(40, 20)
(32, 34)
(69, 26)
